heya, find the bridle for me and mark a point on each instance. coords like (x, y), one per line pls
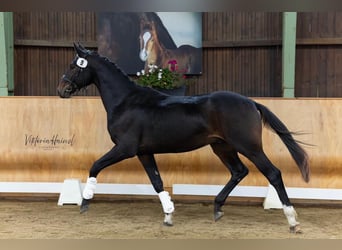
(73, 85)
(81, 64)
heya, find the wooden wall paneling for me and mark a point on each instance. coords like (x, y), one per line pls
(317, 71)
(58, 29)
(38, 70)
(232, 42)
(251, 71)
(335, 72)
(84, 120)
(319, 25)
(43, 48)
(230, 39)
(319, 39)
(55, 26)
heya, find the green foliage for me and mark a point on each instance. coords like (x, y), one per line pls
(162, 78)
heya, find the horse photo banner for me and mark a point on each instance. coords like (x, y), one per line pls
(135, 40)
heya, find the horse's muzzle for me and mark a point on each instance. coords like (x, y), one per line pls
(65, 90)
(143, 55)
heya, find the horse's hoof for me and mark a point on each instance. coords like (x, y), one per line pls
(168, 220)
(296, 229)
(84, 206)
(84, 209)
(168, 224)
(218, 215)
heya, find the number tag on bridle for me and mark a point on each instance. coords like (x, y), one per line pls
(82, 63)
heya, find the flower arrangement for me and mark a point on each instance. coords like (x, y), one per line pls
(162, 78)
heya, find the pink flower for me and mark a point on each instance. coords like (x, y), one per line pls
(172, 65)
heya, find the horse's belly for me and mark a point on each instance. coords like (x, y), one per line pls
(180, 133)
(175, 144)
(159, 149)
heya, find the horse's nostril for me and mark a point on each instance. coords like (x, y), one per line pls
(65, 94)
(68, 89)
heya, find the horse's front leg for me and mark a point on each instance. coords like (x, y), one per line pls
(151, 169)
(116, 154)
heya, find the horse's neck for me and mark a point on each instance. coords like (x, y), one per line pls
(162, 55)
(113, 86)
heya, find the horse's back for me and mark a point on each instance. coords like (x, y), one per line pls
(188, 49)
(188, 57)
(218, 100)
(229, 100)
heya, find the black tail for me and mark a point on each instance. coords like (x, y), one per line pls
(297, 152)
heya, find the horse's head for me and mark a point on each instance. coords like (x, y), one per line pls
(78, 75)
(147, 39)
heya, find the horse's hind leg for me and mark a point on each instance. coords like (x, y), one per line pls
(273, 175)
(151, 169)
(237, 169)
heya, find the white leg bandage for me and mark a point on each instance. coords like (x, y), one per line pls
(291, 215)
(89, 188)
(166, 202)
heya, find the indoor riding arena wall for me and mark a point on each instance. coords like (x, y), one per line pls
(49, 139)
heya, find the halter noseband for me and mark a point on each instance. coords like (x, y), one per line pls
(66, 79)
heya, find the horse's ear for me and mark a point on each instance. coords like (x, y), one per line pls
(80, 50)
(82, 47)
(77, 49)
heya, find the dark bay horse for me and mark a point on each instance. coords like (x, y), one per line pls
(143, 122)
(153, 52)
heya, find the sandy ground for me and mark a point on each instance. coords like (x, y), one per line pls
(124, 219)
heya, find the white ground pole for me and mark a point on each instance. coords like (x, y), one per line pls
(267, 192)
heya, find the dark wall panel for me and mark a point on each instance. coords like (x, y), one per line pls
(251, 71)
(319, 59)
(38, 70)
(240, 26)
(319, 71)
(241, 52)
(43, 48)
(55, 26)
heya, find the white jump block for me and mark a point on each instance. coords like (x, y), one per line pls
(71, 192)
(272, 199)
